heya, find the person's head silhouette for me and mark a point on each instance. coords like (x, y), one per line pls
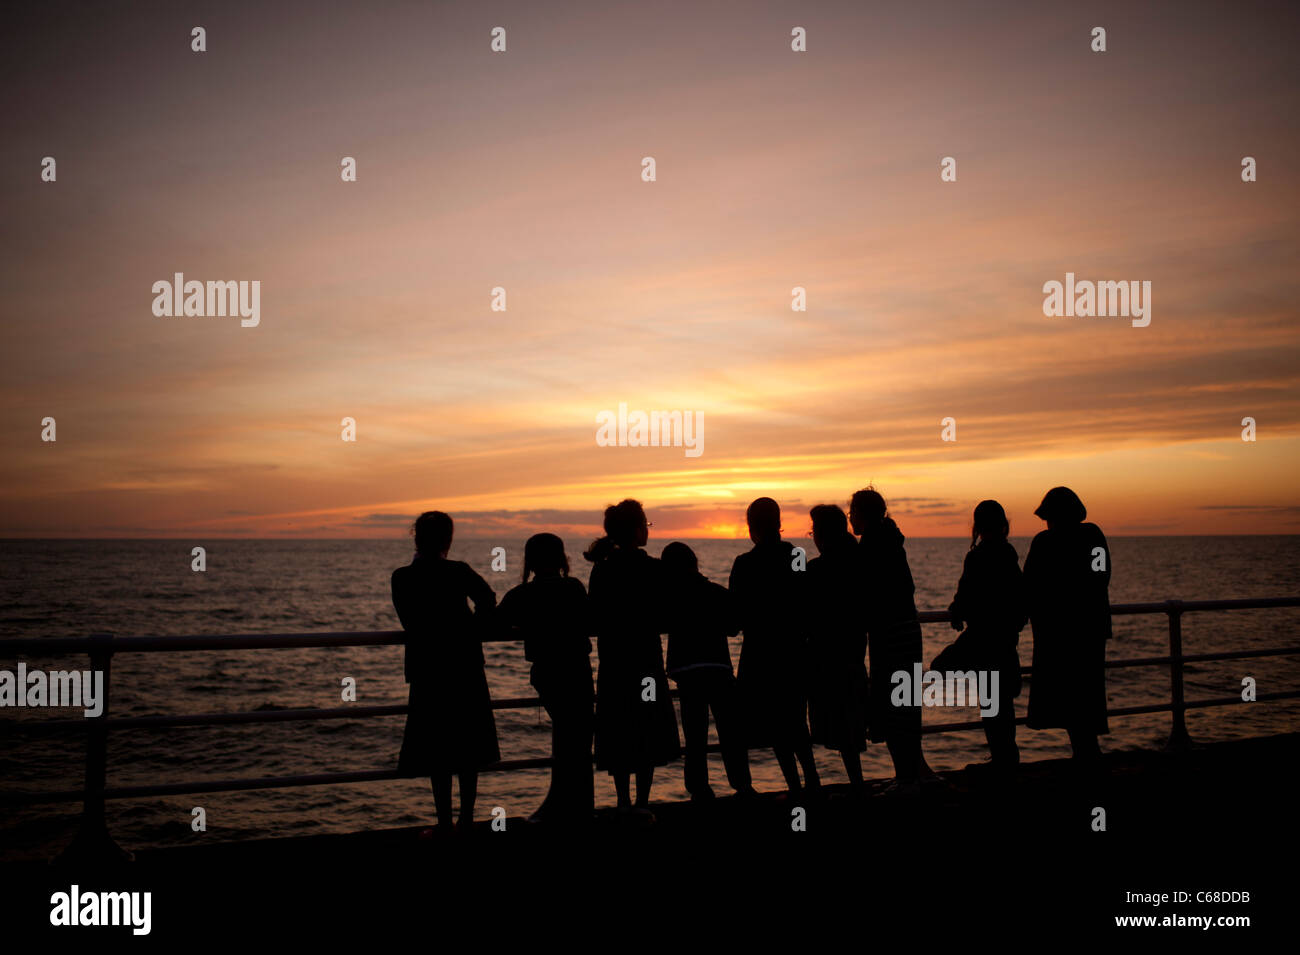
(1061, 507)
(625, 526)
(867, 509)
(678, 559)
(990, 523)
(829, 526)
(432, 531)
(764, 519)
(544, 557)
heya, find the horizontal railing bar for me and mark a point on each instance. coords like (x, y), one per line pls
(1130, 710)
(252, 716)
(1229, 700)
(1187, 606)
(508, 765)
(1197, 657)
(1238, 654)
(360, 638)
(225, 719)
(506, 703)
(223, 641)
(1165, 606)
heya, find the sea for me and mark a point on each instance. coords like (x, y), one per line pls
(64, 588)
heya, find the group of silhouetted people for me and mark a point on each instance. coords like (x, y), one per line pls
(821, 639)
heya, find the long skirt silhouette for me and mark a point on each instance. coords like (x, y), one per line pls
(633, 732)
(449, 727)
(1070, 613)
(893, 647)
(839, 695)
(1068, 686)
(773, 694)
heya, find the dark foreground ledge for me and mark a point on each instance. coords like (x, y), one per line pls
(1225, 787)
(965, 850)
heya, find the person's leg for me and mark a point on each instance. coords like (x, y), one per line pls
(852, 767)
(802, 741)
(993, 736)
(623, 789)
(735, 755)
(584, 781)
(1002, 748)
(1000, 731)
(905, 751)
(441, 784)
(571, 775)
(789, 768)
(1085, 745)
(695, 728)
(1008, 709)
(468, 796)
(572, 794)
(645, 777)
(1009, 746)
(811, 778)
(905, 743)
(555, 795)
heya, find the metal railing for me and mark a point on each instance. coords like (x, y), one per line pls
(93, 838)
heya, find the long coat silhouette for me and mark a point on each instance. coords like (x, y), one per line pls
(632, 732)
(839, 694)
(1069, 607)
(772, 673)
(893, 627)
(449, 727)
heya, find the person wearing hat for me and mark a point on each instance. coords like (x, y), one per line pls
(1067, 582)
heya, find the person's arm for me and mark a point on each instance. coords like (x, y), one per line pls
(484, 598)
(958, 609)
(909, 585)
(399, 600)
(400, 583)
(480, 592)
(661, 612)
(736, 587)
(1110, 567)
(728, 620)
(1103, 597)
(804, 603)
(506, 620)
(583, 622)
(596, 600)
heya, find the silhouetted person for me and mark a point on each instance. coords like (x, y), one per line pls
(449, 726)
(701, 617)
(549, 609)
(893, 630)
(839, 694)
(990, 605)
(1067, 582)
(636, 727)
(772, 675)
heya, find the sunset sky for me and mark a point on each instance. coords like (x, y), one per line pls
(522, 169)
